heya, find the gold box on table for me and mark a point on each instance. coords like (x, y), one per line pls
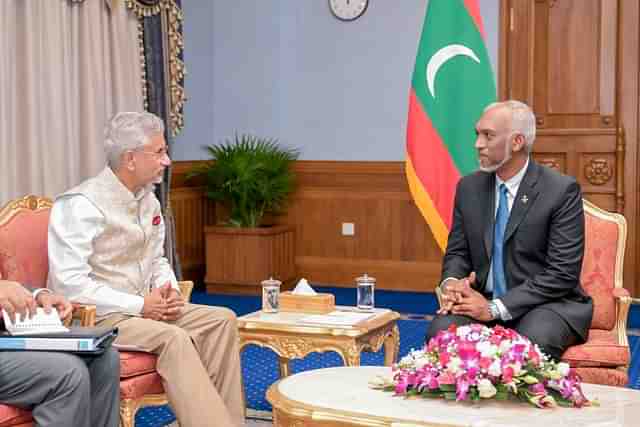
(316, 304)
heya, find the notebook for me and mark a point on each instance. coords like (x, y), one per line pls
(40, 323)
(83, 340)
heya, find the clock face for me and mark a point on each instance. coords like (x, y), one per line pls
(348, 10)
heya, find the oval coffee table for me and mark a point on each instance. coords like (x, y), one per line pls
(340, 397)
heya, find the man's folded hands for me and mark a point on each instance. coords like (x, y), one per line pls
(458, 297)
(164, 303)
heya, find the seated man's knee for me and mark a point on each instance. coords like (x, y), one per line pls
(542, 340)
(547, 329)
(226, 314)
(72, 374)
(177, 334)
(223, 314)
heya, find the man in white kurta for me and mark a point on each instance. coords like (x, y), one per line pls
(106, 247)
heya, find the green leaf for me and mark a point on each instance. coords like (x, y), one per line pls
(448, 387)
(252, 174)
(412, 392)
(501, 395)
(432, 394)
(449, 395)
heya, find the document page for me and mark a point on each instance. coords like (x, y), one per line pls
(337, 318)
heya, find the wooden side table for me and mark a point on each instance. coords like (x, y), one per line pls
(290, 339)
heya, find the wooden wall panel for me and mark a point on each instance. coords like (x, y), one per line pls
(192, 212)
(589, 155)
(516, 64)
(574, 62)
(578, 34)
(580, 74)
(188, 211)
(392, 241)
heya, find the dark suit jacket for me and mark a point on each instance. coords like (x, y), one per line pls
(544, 243)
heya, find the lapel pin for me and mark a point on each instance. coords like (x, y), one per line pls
(524, 199)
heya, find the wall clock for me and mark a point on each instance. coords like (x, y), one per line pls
(348, 10)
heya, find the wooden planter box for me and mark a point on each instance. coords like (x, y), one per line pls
(238, 259)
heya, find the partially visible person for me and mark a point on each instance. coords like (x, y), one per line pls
(106, 247)
(515, 249)
(60, 389)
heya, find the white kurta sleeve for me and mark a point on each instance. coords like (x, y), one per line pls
(162, 272)
(73, 225)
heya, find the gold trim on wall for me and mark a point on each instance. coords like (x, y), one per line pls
(143, 65)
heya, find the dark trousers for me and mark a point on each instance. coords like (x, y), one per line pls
(62, 389)
(542, 326)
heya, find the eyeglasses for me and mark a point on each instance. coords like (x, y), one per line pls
(156, 154)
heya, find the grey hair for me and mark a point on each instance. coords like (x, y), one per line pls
(523, 121)
(128, 131)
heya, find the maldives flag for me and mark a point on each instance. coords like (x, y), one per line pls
(452, 83)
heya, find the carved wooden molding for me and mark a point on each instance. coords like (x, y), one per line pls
(598, 171)
(620, 156)
(550, 162)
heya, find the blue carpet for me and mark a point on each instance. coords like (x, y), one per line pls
(260, 366)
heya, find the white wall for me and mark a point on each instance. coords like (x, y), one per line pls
(288, 69)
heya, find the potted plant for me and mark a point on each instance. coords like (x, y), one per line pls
(250, 176)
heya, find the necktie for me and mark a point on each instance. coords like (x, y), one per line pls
(499, 282)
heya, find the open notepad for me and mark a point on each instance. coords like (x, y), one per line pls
(40, 323)
(45, 332)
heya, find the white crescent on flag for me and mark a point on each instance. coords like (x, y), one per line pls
(440, 57)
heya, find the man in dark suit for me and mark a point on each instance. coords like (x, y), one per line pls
(516, 244)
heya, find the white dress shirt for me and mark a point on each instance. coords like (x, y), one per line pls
(74, 224)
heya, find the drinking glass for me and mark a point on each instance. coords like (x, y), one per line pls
(365, 286)
(270, 295)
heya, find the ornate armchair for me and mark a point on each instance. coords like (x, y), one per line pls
(23, 258)
(605, 357)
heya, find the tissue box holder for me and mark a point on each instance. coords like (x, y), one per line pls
(315, 304)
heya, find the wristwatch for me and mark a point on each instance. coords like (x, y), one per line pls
(494, 311)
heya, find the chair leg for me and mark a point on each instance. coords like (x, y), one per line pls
(128, 409)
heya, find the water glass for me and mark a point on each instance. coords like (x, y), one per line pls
(365, 286)
(270, 295)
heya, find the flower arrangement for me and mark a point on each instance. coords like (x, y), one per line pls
(474, 362)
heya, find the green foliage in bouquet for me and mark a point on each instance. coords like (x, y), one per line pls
(251, 174)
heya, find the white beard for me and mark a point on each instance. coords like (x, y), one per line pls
(496, 166)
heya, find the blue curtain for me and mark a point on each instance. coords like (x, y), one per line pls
(159, 103)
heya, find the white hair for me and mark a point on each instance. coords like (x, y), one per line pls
(128, 131)
(523, 121)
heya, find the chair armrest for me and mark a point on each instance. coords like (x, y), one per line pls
(623, 304)
(186, 287)
(620, 292)
(82, 315)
